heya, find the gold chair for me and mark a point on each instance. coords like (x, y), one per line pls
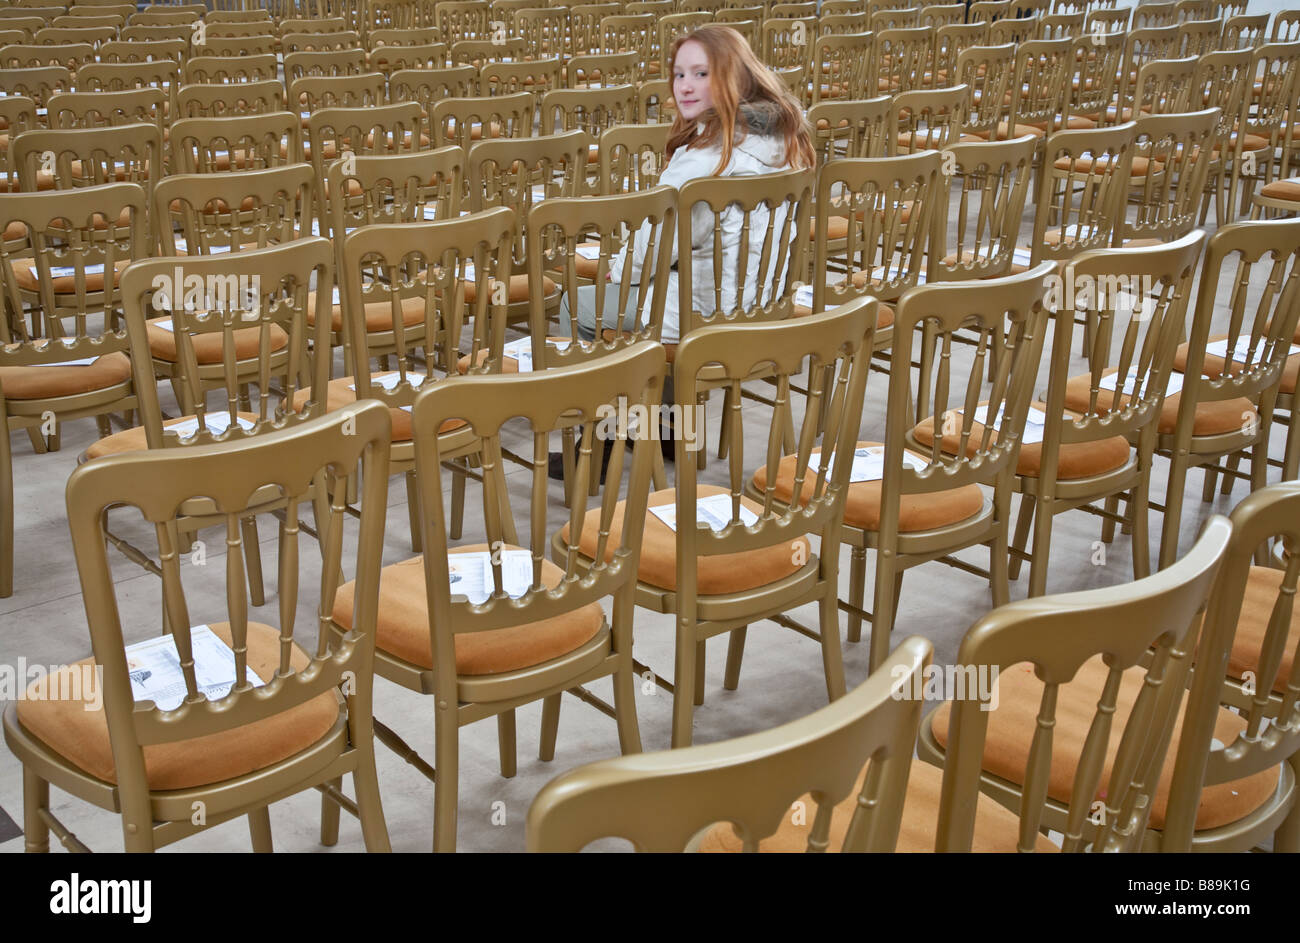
(290, 721)
(396, 57)
(218, 101)
(477, 650)
(1088, 687)
(903, 58)
(929, 505)
(1099, 428)
(993, 177)
(598, 70)
(1249, 632)
(1231, 381)
(218, 145)
(758, 564)
(927, 118)
(211, 214)
(324, 62)
(662, 802)
(988, 72)
(224, 70)
(632, 156)
(1166, 198)
(850, 128)
(462, 121)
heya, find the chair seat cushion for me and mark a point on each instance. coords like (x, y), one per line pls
(207, 346)
(25, 277)
(403, 625)
(996, 829)
(518, 290)
(1020, 130)
(1212, 418)
(1012, 724)
(339, 395)
(1288, 189)
(1075, 460)
(379, 314)
(1262, 587)
(134, 439)
(1212, 366)
(917, 512)
(41, 382)
(1088, 165)
(884, 314)
(717, 574)
(80, 734)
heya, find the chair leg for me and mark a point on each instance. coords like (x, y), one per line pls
(370, 808)
(857, 590)
(699, 673)
(1111, 506)
(1021, 539)
(506, 742)
(1211, 480)
(329, 817)
(1138, 518)
(253, 561)
(36, 798)
(683, 690)
(1234, 462)
(446, 787)
(259, 829)
(6, 510)
(999, 586)
(724, 427)
(629, 731)
(1286, 840)
(1042, 552)
(735, 652)
(550, 726)
(1177, 484)
(882, 614)
(413, 511)
(832, 652)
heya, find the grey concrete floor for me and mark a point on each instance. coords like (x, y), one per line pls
(44, 622)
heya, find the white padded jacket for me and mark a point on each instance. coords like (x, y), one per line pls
(751, 154)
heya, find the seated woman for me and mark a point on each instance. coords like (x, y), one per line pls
(734, 118)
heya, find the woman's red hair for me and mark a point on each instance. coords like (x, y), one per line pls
(737, 77)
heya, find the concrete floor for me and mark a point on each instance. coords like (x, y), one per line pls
(782, 679)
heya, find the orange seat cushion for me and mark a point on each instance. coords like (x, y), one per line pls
(518, 290)
(207, 346)
(1011, 728)
(134, 439)
(1212, 418)
(716, 575)
(403, 624)
(1262, 588)
(917, 512)
(80, 735)
(41, 382)
(1288, 189)
(996, 828)
(1075, 459)
(379, 314)
(1212, 365)
(25, 277)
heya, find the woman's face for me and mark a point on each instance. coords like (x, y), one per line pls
(691, 81)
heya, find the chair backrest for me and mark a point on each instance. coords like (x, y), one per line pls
(1245, 32)
(583, 238)
(100, 109)
(597, 70)
(1268, 699)
(1168, 200)
(440, 280)
(242, 142)
(939, 15)
(835, 347)
(1144, 631)
(927, 118)
(519, 174)
(994, 181)
(538, 76)
(886, 206)
(37, 83)
(541, 402)
(222, 70)
(1082, 190)
(1136, 303)
(313, 92)
(242, 98)
(631, 157)
(594, 110)
(321, 42)
(157, 486)
(787, 41)
(841, 67)
(500, 116)
(330, 62)
(213, 213)
(1260, 260)
(58, 273)
(1155, 15)
(982, 409)
(1098, 57)
(765, 219)
(1200, 37)
(394, 188)
(85, 157)
(544, 30)
(843, 128)
(1044, 68)
(463, 19)
(163, 74)
(988, 72)
(144, 50)
(26, 56)
(18, 112)
(660, 801)
(218, 301)
(903, 58)
(430, 86)
(338, 132)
